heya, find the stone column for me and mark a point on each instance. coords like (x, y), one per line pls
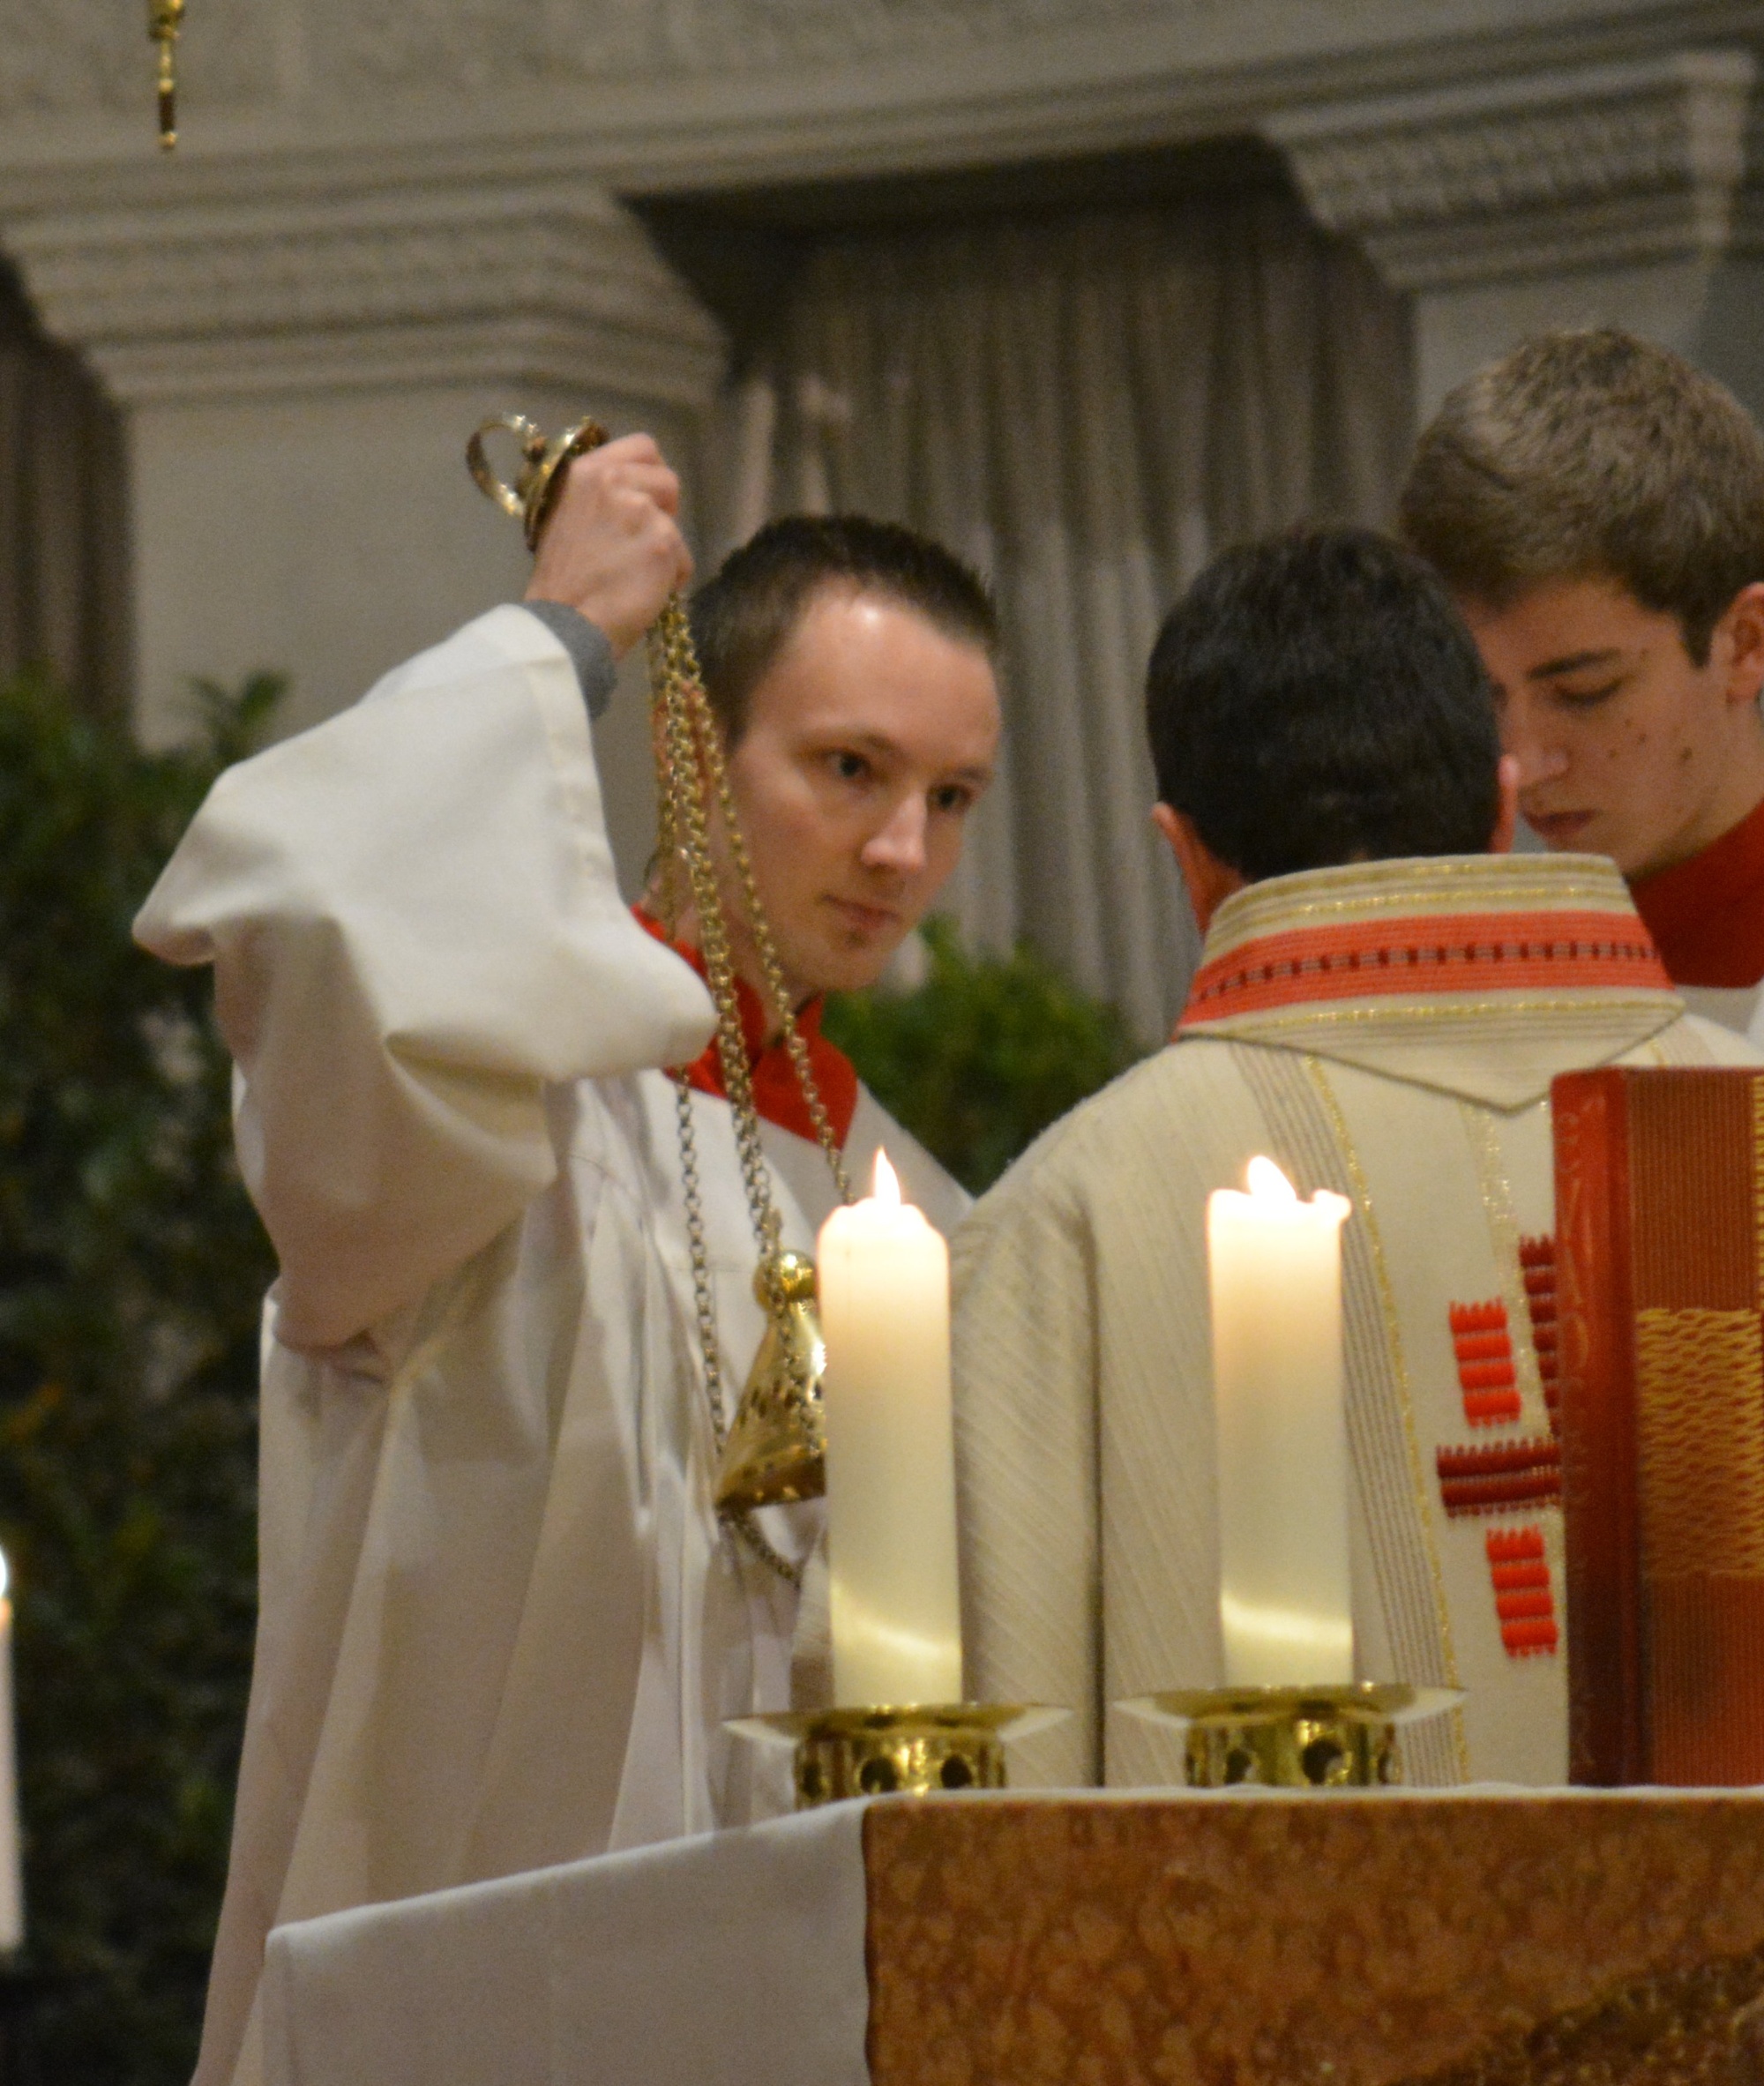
(298, 378)
(1607, 195)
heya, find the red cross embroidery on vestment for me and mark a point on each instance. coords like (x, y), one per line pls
(1485, 1353)
(1523, 1599)
(1538, 1261)
(1493, 1477)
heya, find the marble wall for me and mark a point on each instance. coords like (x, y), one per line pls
(388, 216)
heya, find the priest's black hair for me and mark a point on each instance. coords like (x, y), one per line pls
(742, 616)
(1315, 698)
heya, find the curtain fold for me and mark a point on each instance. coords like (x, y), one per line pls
(1086, 405)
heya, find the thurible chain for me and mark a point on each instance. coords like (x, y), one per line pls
(690, 749)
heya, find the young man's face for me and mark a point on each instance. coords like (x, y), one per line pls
(868, 741)
(1625, 746)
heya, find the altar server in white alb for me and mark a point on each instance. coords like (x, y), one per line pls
(501, 1624)
(1384, 997)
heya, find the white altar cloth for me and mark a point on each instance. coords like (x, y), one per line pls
(730, 1959)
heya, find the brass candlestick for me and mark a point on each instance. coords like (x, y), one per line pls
(1293, 1738)
(915, 1750)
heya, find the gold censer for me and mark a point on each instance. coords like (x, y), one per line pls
(773, 1450)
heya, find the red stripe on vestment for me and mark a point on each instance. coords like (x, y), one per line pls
(1452, 952)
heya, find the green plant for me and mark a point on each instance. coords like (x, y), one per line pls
(131, 1271)
(981, 1057)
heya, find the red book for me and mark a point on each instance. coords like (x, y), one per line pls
(1660, 1219)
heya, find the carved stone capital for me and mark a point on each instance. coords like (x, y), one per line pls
(549, 282)
(1602, 167)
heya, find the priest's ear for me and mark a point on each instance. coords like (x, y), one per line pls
(1507, 807)
(1210, 882)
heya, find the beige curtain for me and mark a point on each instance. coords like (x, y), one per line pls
(1086, 405)
(63, 559)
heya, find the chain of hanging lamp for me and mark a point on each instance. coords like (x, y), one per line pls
(165, 19)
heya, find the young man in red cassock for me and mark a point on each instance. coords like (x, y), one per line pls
(1596, 507)
(502, 1624)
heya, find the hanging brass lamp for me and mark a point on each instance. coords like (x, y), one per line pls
(165, 19)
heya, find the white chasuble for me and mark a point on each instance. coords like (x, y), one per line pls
(1388, 1031)
(500, 1625)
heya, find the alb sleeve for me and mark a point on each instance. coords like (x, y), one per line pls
(416, 930)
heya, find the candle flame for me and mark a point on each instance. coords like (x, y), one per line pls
(5, 1575)
(885, 1182)
(1268, 1184)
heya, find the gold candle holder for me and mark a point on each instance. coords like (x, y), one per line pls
(1293, 1738)
(916, 1749)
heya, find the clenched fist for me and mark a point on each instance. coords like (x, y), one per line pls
(612, 548)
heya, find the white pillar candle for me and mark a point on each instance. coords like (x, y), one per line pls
(11, 1877)
(896, 1615)
(1285, 1597)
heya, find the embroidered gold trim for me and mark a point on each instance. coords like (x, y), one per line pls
(1300, 1132)
(1371, 891)
(1444, 1007)
(1405, 1388)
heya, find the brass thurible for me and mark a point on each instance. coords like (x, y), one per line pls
(165, 19)
(776, 1450)
(1293, 1738)
(773, 1451)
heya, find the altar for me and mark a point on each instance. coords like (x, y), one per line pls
(1146, 1938)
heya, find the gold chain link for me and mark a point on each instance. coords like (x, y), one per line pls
(676, 683)
(704, 1309)
(690, 749)
(692, 771)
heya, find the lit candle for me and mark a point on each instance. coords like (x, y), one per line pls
(883, 1277)
(1285, 1599)
(11, 1878)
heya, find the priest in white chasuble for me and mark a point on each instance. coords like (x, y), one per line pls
(1384, 997)
(502, 1624)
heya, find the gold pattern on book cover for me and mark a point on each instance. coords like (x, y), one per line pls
(1699, 1398)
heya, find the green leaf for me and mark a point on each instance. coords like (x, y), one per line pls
(132, 1272)
(984, 1056)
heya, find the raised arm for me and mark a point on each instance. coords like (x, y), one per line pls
(415, 930)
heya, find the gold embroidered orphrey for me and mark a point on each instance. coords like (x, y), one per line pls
(773, 1450)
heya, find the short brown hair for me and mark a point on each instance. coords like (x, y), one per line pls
(1593, 455)
(742, 617)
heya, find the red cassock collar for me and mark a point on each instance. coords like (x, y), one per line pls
(777, 1092)
(1707, 914)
